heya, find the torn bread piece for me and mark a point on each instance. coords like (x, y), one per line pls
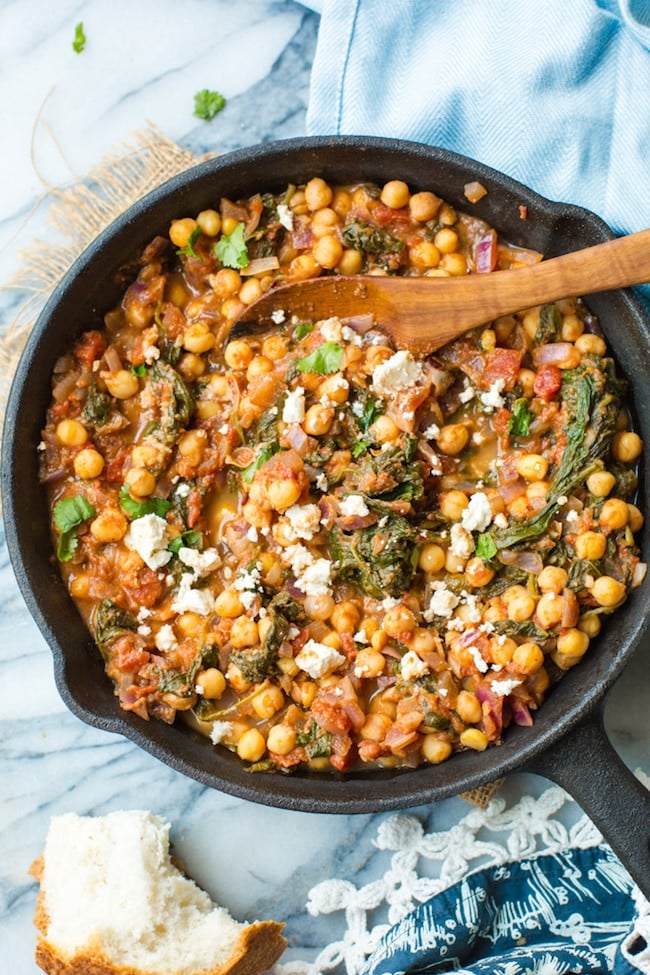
(111, 902)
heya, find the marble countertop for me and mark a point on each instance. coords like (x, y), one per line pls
(61, 112)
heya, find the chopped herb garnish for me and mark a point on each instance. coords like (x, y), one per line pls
(68, 514)
(138, 509)
(187, 539)
(139, 371)
(79, 41)
(231, 249)
(519, 423)
(208, 103)
(188, 250)
(265, 453)
(303, 329)
(326, 359)
(485, 547)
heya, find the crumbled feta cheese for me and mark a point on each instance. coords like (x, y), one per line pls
(571, 516)
(248, 598)
(476, 656)
(278, 316)
(353, 505)
(398, 372)
(149, 536)
(462, 543)
(443, 603)
(357, 408)
(189, 600)
(467, 394)
(220, 730)
(144, 629)
(456, 623)
(304, 520)
(492, 398)
(361, 637)
(331, 329)
(183, 490)
(504, 687)
(317, 659)
(252, 534)
(562, 499)
(388, 602)
(285, 216)
(487, 627)
(478, 513)
(313, 576)
(42, 446)
(143, 613)
(411, 666)
(431, 432)
(248, 580)
(500, 520)
(223, 429)
(201, 563)
(350, 336)
(165, 638)
(293, 410)
(472, 611)
(150, 353)
(322, 483)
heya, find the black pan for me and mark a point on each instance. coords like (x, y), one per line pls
(567, 742)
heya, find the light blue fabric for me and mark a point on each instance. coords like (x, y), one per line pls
(555, 93)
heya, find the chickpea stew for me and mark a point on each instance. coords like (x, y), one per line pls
(321, 550)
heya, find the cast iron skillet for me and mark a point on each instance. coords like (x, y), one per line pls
(567, 742)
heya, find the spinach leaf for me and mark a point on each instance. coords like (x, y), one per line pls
(255, 663)
(177, 403)
(550, 325)
(316, 742)
(525, 629)
(371, 240)
(111, 621)
(97, 406)
(519, 423)
(380, 560)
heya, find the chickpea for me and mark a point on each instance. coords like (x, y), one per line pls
(590, 624)
(446, 240)
(502, 650)
(478, 573)
(140, 482)
(399, 620)
(228, 604)
(88, 463)
(375, 727)
(282, 739)
(454, 264)
(424, 206)
(319, 607)
(475, 739)
(553, 579)
(229, 225)
(302, 267)
(636, 518)
(588, 344)
(210, 222)
(600, 483)
(452, 438)
(573, 643)
(268, 702)
(257, 515)
(395, 194)
(258, 366)
(454, 563)
(423, 641)
(452, 504)
(304, 693)
(238, 354)
(528, 658)
(251, 746)
(335, 388)
(250, 291)
(180, 702)
(327, 251)
(530, 321)
(532, 467)
(121, 384)
(232, 308)
(274, 347)
(317, 194)
(345, 617)
(190, 625)
(332, 639)
(549, 610)
(469, 707)
(627, 446)
(608, 591)
(572, 328)
(436, 750)
(432, 558)
(109, 526)
(614, 514)
(384, 429)
(351, 261)
(244, 632)
(379, 640)
(212, 683)
(424, 254)
(590, 545)
(192, 446)
(191, 366)
(180, 231)
(226, 282)
(520, 605)
(71, 433)
(526, 379)
(369, 663)
(318, 420)
(79, 586)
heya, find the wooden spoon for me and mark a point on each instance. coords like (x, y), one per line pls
(422, 314)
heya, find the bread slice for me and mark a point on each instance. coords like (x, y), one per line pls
(111, 902)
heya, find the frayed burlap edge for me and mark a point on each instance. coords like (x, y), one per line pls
(79, 213)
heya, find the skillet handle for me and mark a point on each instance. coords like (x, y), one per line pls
(586, 765)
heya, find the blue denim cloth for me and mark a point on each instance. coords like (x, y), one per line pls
(555, 93)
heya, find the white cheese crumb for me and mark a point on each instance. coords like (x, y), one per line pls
(317, 659)
(285, 216)
(143, 613)
(165, 638)
(462, 543)
(486, 627)
(504, 687)
(330, 329)
(562, 499)
(304, 520)
(492, 398)
(144, 630)
(293, 410)
(149, 536)
(353, 505)
(571, 516)
(321, 482)
(183, 490)
(357, 408)
(201, 563)
(349, 335)
(467, 394)
(456, 623)
(278, 316)
(472, 609)
(361, 637)
(316, 579)
(500, 520)
(220, 730)
(223, 429)
(248, 580)
(412, 666)
(479, 662)
(478, 513)
(42, 446)
(443, 603)
(252, 534)
(388, 602)
(431, 432)
(398, 372)
(189, 600)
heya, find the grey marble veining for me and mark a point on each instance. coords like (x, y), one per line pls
(144, 62)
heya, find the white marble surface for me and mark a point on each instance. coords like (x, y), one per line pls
(60, 112)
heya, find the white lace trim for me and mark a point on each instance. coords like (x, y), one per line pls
(483, 838)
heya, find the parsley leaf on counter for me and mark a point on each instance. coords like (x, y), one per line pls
(207, 103)
(327, 358)
(137, 509)
(68, 513)
(231, 248)
(79, 41)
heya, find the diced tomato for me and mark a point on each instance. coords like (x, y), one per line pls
(383, 216)
(501, 364)
(90, 347)
(548, 382)
(127, 653)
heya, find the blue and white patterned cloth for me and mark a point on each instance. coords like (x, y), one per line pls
(555, 93)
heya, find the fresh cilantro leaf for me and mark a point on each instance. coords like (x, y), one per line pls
(231, 248)
(68, 513)
(519, 423)
(137, 509)
(139, 371)
(360, 447)
(486, 547)
(207, 103)
(325, 359)
(303, 329)
(188, 539)
(265, 453)
(188, 250)
(79, 41)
